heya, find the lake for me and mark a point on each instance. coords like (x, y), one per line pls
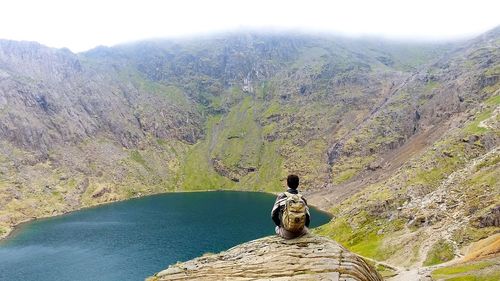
(133, 239)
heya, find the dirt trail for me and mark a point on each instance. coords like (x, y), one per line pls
(405, 274)
(423, 273)
(408, 275)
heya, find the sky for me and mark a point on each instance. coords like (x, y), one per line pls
(83, 24)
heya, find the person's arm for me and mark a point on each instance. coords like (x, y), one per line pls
(308, 215)
(275, 212)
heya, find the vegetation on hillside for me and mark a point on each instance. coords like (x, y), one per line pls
(402, 140)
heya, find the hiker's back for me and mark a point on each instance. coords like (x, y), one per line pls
(290, 212)
(294, 213)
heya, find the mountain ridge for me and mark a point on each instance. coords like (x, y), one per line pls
(361, 121)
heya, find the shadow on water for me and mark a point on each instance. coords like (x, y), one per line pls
(133, 239)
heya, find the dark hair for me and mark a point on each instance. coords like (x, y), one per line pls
(292, 181)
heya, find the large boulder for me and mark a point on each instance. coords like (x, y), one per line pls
(273, 258)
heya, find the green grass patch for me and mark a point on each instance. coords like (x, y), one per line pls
(493, 71)
(137, 157)
(269, 129)
(273, 109)
(491, 277)
(385, 271)
(474, 128)
(196, 172)
(441, 164)
(429, 177)
(233, 95)
(172, 93)
(360, 235)
(470, 234)
(347, 168)
(486, 177)
(431, 85)
(263, 90)
(461, 268)
(368, 245)
(441, 251)
(72, 183)
(489, 162)
(344, 176)
(161, 142)
(239, 141)
(474, 271)
(493, 100)
(270, 170)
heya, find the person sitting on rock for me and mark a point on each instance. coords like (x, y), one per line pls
(290, 212)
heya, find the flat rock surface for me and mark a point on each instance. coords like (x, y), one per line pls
(273, 258)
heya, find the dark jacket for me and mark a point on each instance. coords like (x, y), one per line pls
(277, 211)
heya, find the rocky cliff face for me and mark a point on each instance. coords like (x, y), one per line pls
(273, 258)
(52, 97)
(431, 191)
(70, 132)
(395, 139)
(113, 123)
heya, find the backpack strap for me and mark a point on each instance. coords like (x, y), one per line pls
(282, 201)
(288, 194)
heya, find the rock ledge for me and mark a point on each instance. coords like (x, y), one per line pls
(273, 258)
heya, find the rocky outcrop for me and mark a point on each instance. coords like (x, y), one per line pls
(50, 97)
(492, 218)
(234, 174)
(241, 111)
(273, 258)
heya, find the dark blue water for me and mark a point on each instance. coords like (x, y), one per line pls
(133, 239)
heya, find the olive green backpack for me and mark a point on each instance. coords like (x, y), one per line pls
(294, 212)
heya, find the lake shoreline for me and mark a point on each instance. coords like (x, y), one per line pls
(12, 230)
(132, 239)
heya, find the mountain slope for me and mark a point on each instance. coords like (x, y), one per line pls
(377, 130)
(447, 194)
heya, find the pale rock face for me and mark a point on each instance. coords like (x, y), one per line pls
(274, 258)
